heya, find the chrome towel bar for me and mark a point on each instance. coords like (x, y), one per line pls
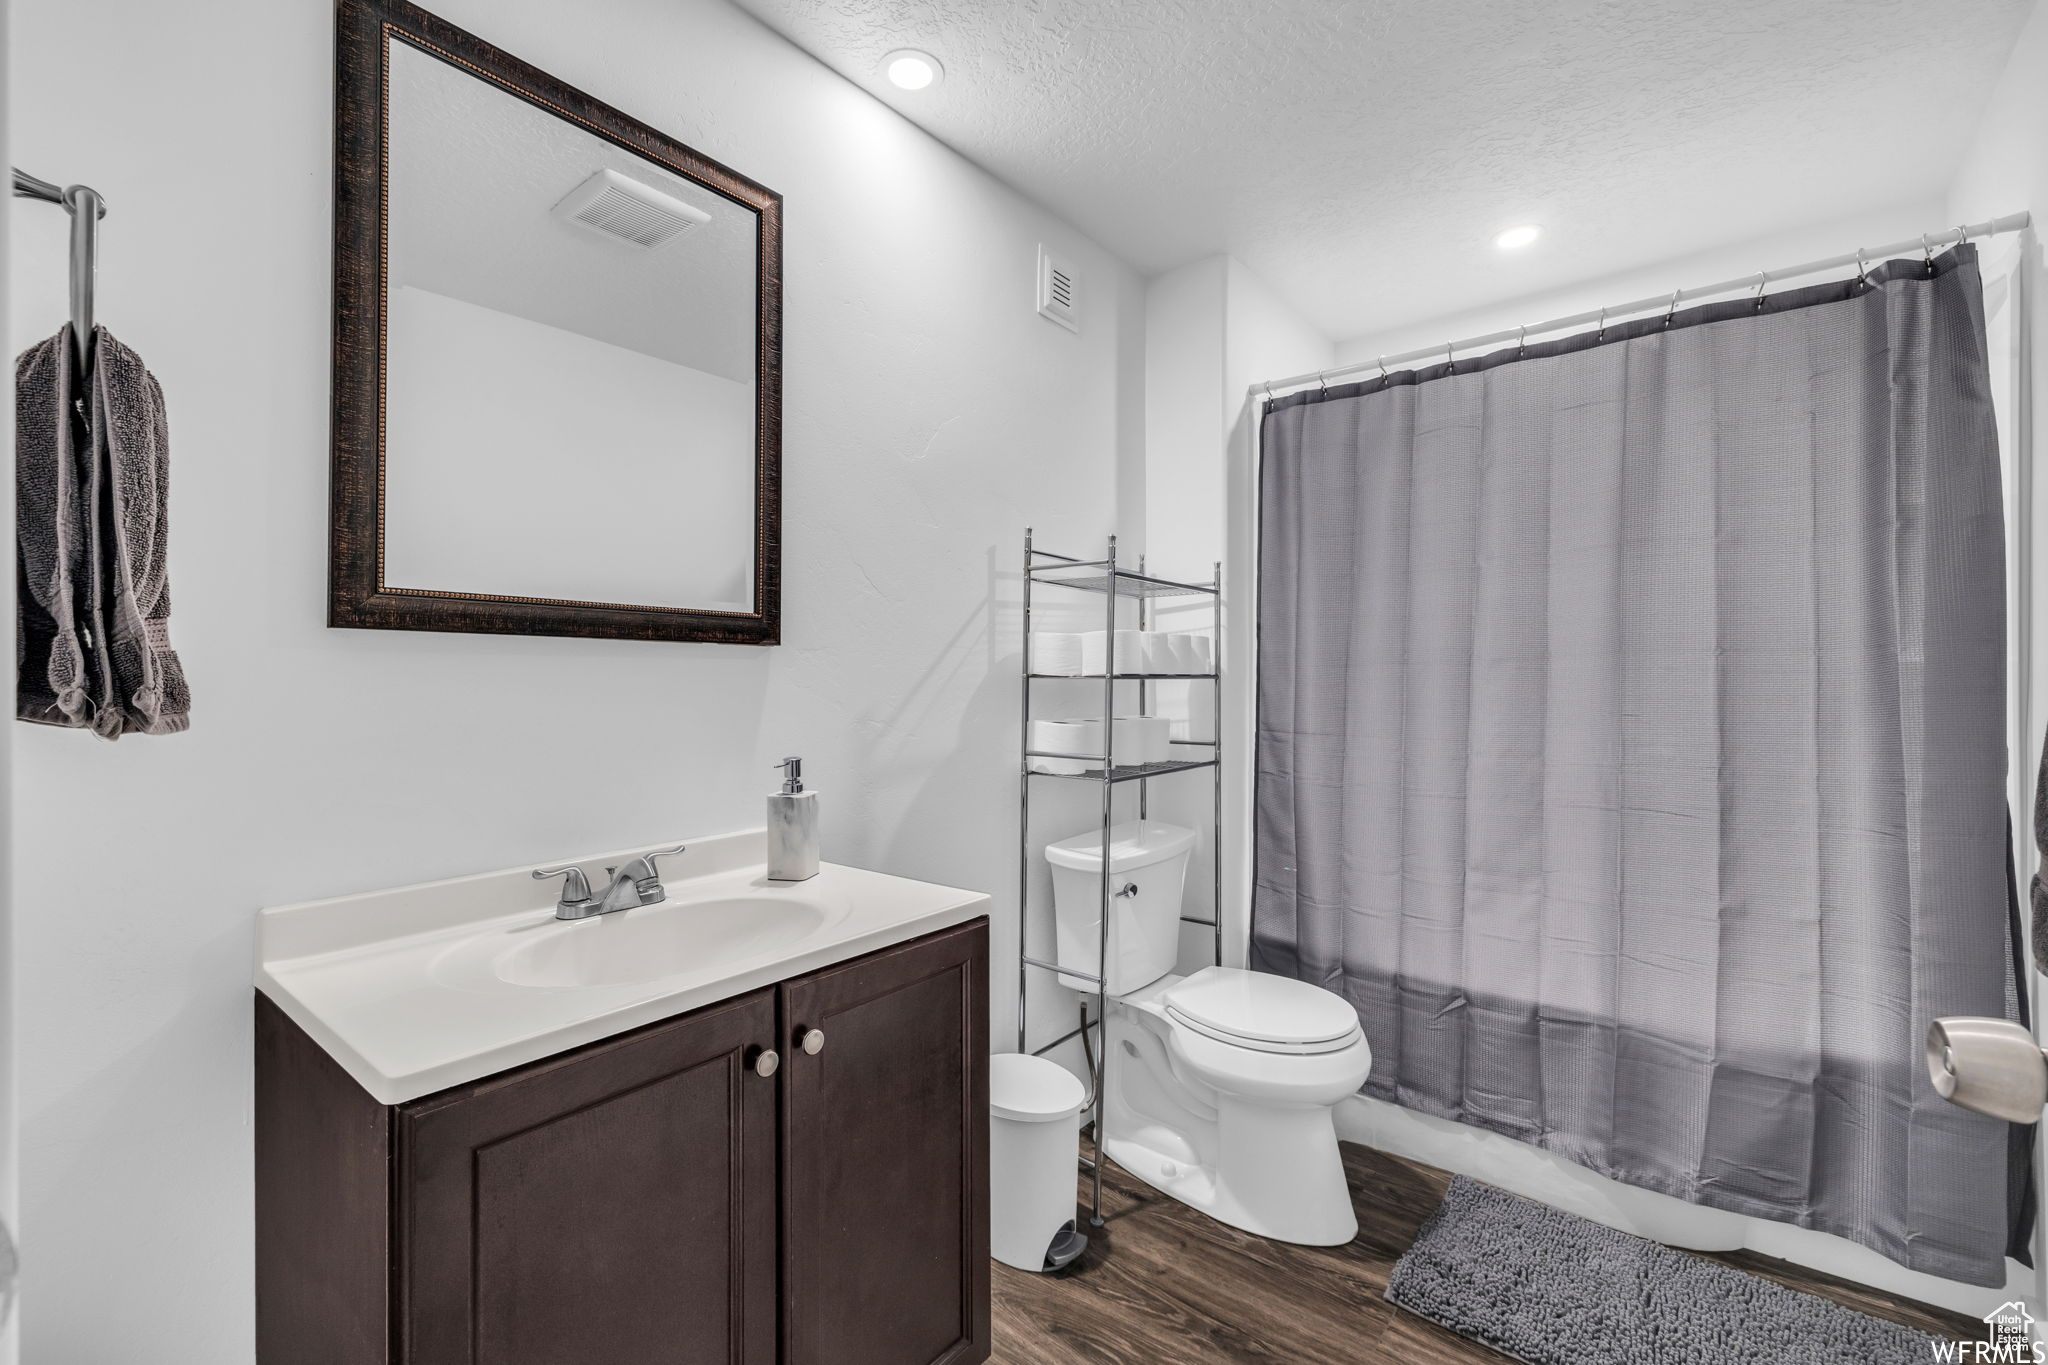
(86, 208)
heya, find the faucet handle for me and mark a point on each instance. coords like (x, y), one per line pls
(575, 886)
(643, 871)
(646, 876)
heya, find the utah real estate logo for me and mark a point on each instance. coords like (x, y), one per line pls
(2011, 1339)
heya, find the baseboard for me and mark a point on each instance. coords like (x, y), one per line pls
(1536, 1174)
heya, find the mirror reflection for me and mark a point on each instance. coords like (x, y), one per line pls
(570, 363)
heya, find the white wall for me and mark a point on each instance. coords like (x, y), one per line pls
(1815, 241)
(1212, 328)
(2006, 166)
(1182, 511)
(2006, 170)
(1263, 338)
(930, 415)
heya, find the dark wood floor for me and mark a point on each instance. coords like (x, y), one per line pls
(1162, 1283)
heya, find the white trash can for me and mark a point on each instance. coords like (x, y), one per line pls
(1034, 1150)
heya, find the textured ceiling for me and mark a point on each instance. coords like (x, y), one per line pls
(1361, 156)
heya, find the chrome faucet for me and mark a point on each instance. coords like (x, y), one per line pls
(634, 885)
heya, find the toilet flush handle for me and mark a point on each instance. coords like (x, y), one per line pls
(1130, 889)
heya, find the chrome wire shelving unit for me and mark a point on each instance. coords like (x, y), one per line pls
(1117, 586)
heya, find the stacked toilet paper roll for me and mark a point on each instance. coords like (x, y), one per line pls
(1143, 739)
(1162, 652)
(1055, 652)
(1130, 652)
(1081, 738)
(1137, 739)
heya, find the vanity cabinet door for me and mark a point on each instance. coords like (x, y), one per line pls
(885, 1143)
(616, 1205)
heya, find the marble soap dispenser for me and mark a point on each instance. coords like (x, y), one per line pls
(792, 827)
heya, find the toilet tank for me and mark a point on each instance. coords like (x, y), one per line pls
(1148, 866)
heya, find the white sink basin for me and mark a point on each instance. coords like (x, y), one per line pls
(420, 988)
(662, 940)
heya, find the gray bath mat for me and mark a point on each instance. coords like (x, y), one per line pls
(1551, 1288)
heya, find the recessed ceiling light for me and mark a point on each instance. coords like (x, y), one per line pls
(911, 69)
(1516, 237)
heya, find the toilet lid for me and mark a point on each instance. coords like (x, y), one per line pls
(1260, 1008)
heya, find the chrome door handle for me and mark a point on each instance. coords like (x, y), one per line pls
(765, 1062)
(811, 1040)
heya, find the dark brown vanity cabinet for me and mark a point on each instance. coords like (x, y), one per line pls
(615, 1205)
(885, 1169)
(652, 1199)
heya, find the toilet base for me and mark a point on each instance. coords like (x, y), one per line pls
(1270, 1169)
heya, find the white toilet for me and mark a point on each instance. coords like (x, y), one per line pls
(1218, 1086)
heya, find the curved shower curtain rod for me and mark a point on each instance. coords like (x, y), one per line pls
(1763, 279)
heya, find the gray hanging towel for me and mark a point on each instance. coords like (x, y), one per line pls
(51, 477)
(99, 454)
(146, 683)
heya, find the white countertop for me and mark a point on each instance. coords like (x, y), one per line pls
(424, 987)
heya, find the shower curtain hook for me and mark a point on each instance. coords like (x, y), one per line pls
(1323, 383)
(1521, 340)
(1862, 269)
(1962, 234)
(1602, 334)
(1763, 281)
(1672, 311)
(1384, 377)
(1928, 247)
(1450, 360)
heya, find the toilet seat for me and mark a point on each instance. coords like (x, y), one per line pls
(1262, 1012)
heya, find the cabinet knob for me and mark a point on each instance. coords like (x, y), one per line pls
(811, 1040)
(765, 1061)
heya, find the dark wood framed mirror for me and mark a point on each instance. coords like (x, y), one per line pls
(557, 356)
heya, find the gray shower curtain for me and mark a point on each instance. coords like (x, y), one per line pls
(1631, 748)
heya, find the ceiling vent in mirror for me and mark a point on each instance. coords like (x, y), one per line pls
(1059, 290)
(628, 211)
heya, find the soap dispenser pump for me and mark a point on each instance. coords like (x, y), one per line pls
(792, 827)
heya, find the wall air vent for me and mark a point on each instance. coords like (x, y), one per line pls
(1059, 290)
(625, 210)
